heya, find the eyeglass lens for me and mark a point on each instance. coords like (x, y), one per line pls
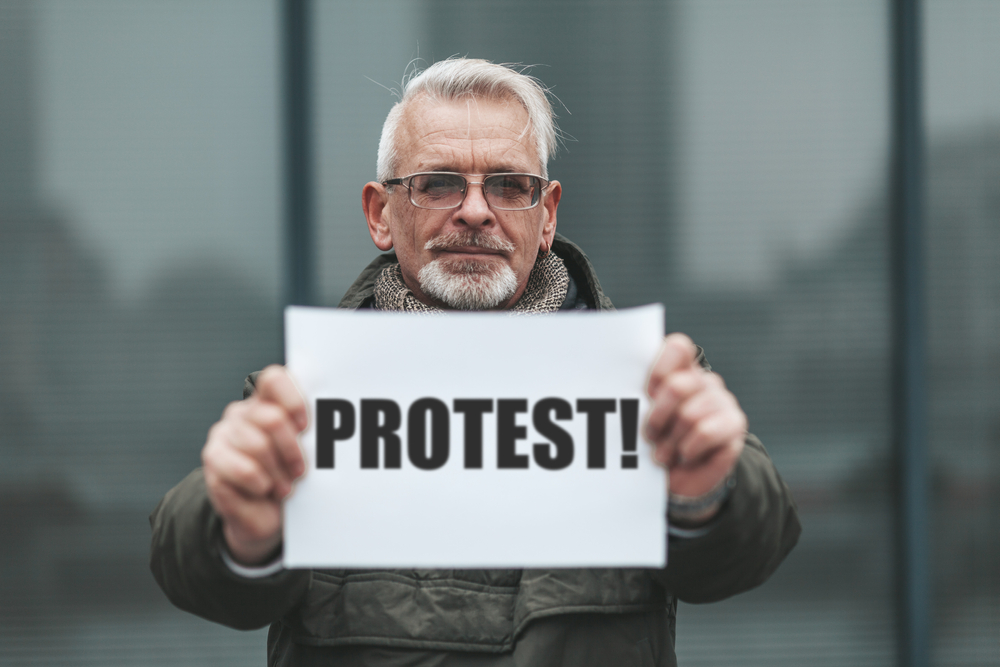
(502, 191)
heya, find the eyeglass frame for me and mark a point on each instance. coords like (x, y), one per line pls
(545, 183)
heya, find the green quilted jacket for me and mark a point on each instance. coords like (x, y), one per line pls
(477, 618)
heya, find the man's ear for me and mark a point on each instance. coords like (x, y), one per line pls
(374, 200)
(549, 205)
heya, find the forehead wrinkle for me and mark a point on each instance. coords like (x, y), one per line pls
(452, 158)
(496, 146)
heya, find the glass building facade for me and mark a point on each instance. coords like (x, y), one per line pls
(731, 160)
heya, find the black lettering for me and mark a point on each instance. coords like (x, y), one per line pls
(327, 432)
(473, 409)
(596, 409)
(562, 441)
(508, 433)
(374, 428)
(630, 427)
(416, 422)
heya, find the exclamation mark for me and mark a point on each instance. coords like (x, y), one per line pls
(630, 425)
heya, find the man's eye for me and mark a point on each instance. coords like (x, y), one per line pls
(437, 185)
(509, 186)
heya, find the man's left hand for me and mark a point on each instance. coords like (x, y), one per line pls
(694, 423)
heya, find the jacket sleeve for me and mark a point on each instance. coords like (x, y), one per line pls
(186, 562)
(750, 536)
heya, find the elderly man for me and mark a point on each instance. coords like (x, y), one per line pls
(464, 202)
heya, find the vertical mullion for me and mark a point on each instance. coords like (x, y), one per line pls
(909, 339)
(297, 119)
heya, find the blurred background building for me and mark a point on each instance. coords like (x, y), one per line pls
(729, 159)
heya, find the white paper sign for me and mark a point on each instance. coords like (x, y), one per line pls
(475, 440)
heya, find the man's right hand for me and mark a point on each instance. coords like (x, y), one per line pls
(251, 460)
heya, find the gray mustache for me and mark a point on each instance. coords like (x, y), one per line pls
(469, 239)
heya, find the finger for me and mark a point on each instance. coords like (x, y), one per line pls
(276, 385)
(708, 436)
(669, 396)
(277, 424)
(226, 465)
(677, 352)
(273, 418)
(259, 444)
(710, 398)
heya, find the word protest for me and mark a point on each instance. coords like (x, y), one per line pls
(428, 431)
(475, 440)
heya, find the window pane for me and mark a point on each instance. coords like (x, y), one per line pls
(962, 97)
(781, 242)
(356, 67)
(139, 250)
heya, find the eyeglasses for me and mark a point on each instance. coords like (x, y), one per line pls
(445, 189)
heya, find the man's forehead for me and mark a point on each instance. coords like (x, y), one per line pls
(494, 129)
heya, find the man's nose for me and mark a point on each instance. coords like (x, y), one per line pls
(475, 210)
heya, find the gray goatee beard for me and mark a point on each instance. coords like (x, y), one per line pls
(468, 284)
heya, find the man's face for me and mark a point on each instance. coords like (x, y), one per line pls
(473, 248)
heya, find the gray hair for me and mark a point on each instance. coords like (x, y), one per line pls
(457, 78)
